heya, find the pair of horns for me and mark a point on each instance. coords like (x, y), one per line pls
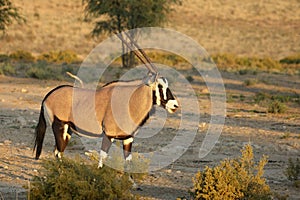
(139, 52)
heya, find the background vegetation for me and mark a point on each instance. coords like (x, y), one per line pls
(250, 29)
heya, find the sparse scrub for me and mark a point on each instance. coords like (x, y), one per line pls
(4, 58)
(22, 56)
(43, 70)
(293, 59)
(274, 103)
(59, 57)
(52, 65)
(77, 179)
(247, 65)
(165, 58)
(292, 171)
(276, 106)
(233, 179)
(7, 69)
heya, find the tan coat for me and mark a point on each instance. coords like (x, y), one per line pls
(117, 109)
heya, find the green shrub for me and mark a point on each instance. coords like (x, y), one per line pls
(7, 69)
(233, 179)
(59, 57)
(43, 70)
(77, 179)
(293, 171)
(276, 106)
(22, 56)
(4, 58)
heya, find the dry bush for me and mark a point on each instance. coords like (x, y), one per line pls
(233, 179)
(76, 179)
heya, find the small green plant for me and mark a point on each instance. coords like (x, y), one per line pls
(190, 78)
(242, 97)
(250, 82)
(78, 179)
(233, 179)
(285, 135)
(292, 171)
(276, 106)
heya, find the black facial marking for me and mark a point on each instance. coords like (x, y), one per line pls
(154, 97)
(170, 95)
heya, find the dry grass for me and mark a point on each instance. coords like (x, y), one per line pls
(250, 28)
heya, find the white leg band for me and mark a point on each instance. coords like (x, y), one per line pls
(66, 134)
(129, 158)
(57, 153)
(103, 155)
(128, 141)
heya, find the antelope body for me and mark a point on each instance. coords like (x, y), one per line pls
(70, 110)
(115, 111)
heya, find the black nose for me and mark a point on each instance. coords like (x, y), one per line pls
(175, 106)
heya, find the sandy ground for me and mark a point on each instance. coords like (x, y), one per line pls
(274, 135)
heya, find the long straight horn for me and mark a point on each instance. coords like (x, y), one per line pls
(120, 36)
(150, 66)
(154, 69)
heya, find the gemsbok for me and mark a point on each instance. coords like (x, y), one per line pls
(119, 109)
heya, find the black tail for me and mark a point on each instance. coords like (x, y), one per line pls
(40, 134)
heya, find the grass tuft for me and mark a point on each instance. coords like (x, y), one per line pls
(293, 171)
(276, 107)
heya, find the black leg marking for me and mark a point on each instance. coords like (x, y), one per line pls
(61, 140)
(106, 144)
